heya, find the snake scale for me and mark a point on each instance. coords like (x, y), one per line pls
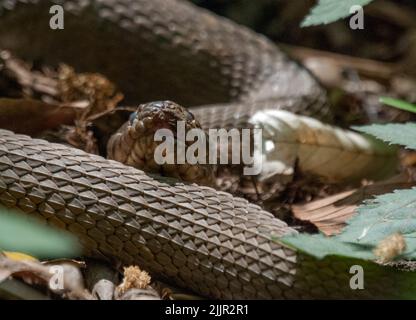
(208, 241)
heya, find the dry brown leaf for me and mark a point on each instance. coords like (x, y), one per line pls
(31, 116)
(330, 214)
(93, 95)
(334, 154)
(329, 66)
(19, 80)
(35, 272)
(94, 92)
(68, 98)
(409, 159)
(134, 277)
(136, 286)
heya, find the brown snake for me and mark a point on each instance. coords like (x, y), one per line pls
(196, 237)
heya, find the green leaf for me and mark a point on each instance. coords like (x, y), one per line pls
(399, 104)
(395, 133)
(385, 215)
(320, 246)
(327, 11)
(24, 234)
(375, 220)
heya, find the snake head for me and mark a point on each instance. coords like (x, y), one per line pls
(156, 115)
(134, 144)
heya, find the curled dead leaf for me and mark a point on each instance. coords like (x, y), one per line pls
(334, 154)
(330, 214)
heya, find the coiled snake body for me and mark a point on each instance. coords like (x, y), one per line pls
(209, 241)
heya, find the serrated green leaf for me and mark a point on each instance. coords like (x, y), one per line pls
(375, 220)
(385, 215)
(394, 133)
(320, 246)
(399, 104)
(327, 11)
(24, 234)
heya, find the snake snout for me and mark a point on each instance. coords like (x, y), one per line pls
(164, 115)
(135, 144)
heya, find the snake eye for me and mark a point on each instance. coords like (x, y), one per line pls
(189, 116)
(132, 117)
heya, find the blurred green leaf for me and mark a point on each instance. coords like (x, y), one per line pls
(327, 11)
(375, 220)
(395, 133)
(399, 104)
(321, 246)
(25, 234)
